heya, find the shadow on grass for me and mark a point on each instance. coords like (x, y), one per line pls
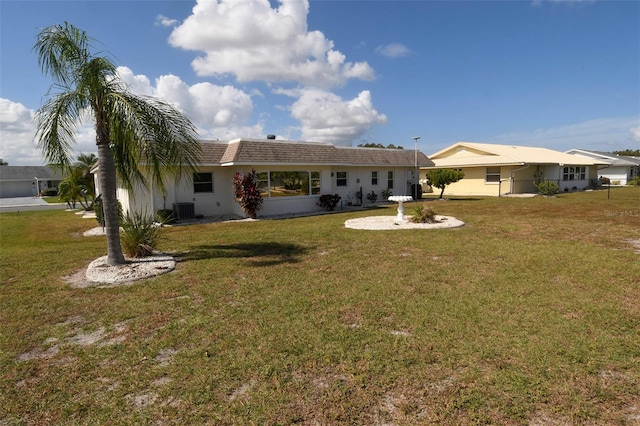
(257, 254)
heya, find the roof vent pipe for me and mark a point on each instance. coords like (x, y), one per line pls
(271, 136)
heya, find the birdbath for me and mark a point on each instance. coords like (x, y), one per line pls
(400, 199)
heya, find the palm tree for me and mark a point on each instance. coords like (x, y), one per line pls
(85, 163)
(74, 188)
(138, 138)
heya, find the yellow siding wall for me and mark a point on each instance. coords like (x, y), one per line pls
(474, 183)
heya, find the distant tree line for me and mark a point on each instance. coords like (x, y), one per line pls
(379, 145)
(628, 152)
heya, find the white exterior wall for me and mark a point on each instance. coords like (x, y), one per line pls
(360, 177)
(615, 173)
(222, 200)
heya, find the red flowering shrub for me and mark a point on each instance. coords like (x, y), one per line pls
(247, 193)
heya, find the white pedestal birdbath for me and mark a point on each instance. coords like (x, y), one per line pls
(400, 199)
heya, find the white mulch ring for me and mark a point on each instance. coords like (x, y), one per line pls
(100, 274)
(387, 223)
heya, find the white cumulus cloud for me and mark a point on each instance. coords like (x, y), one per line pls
(326, 117)
(255, 42)
(220, 112)
(17, 133)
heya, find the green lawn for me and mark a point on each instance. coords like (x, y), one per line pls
(528, 314)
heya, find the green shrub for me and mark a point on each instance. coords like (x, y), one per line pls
(140, 235)
(329, 201)
(97, 209)
(166, 216)
(423, 214)
(386, 193)
(547, 187)
(372, 197)
(634, 182)
(49, 192)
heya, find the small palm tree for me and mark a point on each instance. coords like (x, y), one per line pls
(137, 137)
(75, 188)
(85, 163)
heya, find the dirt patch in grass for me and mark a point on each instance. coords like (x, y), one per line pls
(76, 336)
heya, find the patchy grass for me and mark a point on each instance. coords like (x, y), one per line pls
(529, 314)
(53, 199)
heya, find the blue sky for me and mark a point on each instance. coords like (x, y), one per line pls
(550, 73)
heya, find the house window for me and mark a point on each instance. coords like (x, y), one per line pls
(374, 178)
(341, 178)
(262, 181)
(287, 184)
(202, 182)
(574, 173)
(492, 175)
(315, 183)
(390, 179)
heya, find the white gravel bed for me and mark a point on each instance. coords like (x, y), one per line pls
(388, 223)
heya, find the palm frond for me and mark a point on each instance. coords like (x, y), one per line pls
(56, 123)
(152, 135)
(60, 49)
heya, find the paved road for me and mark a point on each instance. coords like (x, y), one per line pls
(27, 203)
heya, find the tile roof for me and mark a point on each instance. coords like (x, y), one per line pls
(15, 173)
(268, 151)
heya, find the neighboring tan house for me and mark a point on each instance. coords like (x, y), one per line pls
(27, 181)
(494, 170)
(619, 169)
(292, 176)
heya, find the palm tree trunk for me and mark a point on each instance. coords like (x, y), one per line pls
(107, 173)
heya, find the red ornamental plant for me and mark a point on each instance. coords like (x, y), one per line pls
(247, 193)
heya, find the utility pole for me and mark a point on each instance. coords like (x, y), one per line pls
(416, 176)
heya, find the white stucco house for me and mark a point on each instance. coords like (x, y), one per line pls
(618, 169)
(27, 181)
(495, 170)
(292, 176)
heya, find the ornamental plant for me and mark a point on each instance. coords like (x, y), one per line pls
(440, 178)
(424, 214)
(547, 188)
(247, 192)
(329, 201)
(140, 235)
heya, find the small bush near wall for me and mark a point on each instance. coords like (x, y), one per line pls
(49, 192)
(548, 188)
(97, 209)
(635, 181)
(166, 216)
(329, 201)
(372, 197)
(386, 193)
